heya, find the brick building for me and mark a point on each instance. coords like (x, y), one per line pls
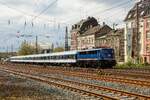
(79, 29)
(84, 33)
(88, 39)
(114, 39)
(144, 32)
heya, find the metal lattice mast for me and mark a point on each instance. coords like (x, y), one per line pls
(66, 40)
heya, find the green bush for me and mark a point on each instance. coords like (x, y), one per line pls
(130, 64)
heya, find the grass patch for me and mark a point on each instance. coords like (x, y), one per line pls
(130, 64)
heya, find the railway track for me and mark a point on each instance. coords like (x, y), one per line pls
(142, 83)
(124, 80)
(87, 89)
(135, 73)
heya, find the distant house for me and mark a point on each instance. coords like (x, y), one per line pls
(84, 33)
(80, 28)
(88, 39)
(144, 32)
(114, 39)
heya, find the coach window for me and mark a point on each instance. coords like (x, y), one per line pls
(73, 57)
(44, 58)
(70, 56)
(59, 57)
(66, 56)
(56, 57)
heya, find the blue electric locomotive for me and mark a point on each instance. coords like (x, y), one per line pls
(102, 57)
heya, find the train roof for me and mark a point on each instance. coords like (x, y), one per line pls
(49, 54)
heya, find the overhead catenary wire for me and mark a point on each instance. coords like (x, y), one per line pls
(32, 23)
(47, 20)
(23, 12)
(50, 5)
(108, 9)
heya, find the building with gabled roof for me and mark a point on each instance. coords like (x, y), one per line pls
(88, 39)
(114, 39)
(84, 33)
(80, 28)
(144, 32)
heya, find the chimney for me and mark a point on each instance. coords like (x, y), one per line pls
(104, 24)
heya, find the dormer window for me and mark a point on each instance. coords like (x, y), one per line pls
(142, 13)
(129, 16)
(75, 26)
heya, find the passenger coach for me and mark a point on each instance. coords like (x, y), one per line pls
(102, 57)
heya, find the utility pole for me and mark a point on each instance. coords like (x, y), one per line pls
(12, 47)
(36, 44)
(66, 40)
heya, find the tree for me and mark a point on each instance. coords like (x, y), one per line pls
(26, 49)
(58, 49)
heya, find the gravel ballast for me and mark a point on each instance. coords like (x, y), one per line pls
(13, 87)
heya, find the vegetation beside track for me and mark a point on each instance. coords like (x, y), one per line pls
(131, 64)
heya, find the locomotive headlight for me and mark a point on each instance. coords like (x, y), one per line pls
(109, 55)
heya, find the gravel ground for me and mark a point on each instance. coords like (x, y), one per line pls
(18, 88)
(119, 86)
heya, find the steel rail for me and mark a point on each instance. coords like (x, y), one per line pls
(123, 93)
(142, 83)
(81, 91)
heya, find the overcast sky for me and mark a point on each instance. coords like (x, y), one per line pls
(24, 17)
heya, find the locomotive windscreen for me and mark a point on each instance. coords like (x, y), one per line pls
(108, 53)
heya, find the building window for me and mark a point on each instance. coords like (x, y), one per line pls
(148, 35)
(148, 48)
(148, 23)
(133, 25)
